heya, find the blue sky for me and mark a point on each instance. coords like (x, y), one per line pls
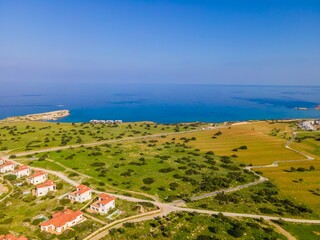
(265, 42)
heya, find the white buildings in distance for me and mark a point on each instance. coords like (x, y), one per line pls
(106, 121)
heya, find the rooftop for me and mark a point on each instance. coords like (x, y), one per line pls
(47, 183)
(59, 219)
(81, 189)
(38, 173)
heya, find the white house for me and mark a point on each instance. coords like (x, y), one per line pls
(104, 203)
(2, 161)
(43, 188)
(7, 166)
(61, 221)
(82, 194)
(22, 171)
(38, 177)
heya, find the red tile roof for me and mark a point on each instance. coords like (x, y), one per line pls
(7, 163)
(21, 168)
(105, 198)
(60, 219)
(47, 183)
(81, 189)
(38, 173)
(11, 237)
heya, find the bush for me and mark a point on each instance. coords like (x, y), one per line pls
(73, 174)
(37, 221)
(59, 185)
(65, 201)
(10, 177)
(98, 164)
(7, 221)
(236, 231)
(148, 180)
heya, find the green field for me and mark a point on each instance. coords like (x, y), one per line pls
(303, 231)
(308, 142)
(26, 136)
(261, 199)
(195, 226)
(169, 167)
(168, 170)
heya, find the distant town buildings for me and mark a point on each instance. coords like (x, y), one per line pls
(38, 177)
(104, 203)
(82, 194)
(61, 221)
(310, 125)
(106, 121)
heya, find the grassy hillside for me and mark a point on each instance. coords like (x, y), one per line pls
(264, 141)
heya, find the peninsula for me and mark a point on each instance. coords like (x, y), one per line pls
(47, 116)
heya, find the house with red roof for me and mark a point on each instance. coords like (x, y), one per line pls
(43, 188)
(22, 171)
(7, 166)
(61, 221)
(38, 177)
(104, 203)
(11, 237)
(82, 194)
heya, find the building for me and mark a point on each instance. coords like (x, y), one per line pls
(7, 166)
(82, 194)
(2, 161)
(11, 237)
(43, 188)
(61, 221)
(104, 203)
(22, 171)
(38, 177)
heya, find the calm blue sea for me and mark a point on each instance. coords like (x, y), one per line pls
(161, 103)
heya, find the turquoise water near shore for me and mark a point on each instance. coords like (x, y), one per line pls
(162, 103)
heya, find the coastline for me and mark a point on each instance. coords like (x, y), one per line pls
(60, 114)
(46, 116)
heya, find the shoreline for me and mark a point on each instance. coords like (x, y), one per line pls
(46, 116)
(56, 115)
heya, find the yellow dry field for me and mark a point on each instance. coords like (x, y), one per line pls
(263, 148)
(306, 190)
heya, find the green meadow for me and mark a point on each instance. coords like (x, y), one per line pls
(27, 136)
(168, 170)
(195, 226)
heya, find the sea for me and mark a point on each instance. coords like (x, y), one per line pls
(162, 103)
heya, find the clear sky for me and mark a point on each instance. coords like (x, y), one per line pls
(263, 42)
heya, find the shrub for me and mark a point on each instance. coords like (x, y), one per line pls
(59, 185)
(10, 177)
(65, 201)
(148, 180)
